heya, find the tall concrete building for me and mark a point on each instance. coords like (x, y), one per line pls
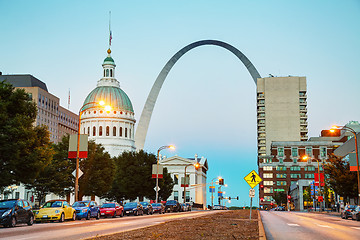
(59, 120)
(281, 111)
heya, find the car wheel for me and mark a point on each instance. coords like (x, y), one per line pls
(342, 216)
(74, 216)
(136, 213)
(31, 220)
(114, 216)
(38, 221)
(12, 222)
(88, 216)
(62, 218)
(122, 214)
(98, 216)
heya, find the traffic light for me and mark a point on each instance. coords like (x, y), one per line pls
(289, 198)
(229, 198)
(261, 199)
(221, 181)
(261, 187)
(237, 198)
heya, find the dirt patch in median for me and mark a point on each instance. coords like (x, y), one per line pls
(222, 225)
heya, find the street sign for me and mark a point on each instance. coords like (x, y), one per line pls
(212, 189)
(220, 194)
(158, 188)
(83, 146)
(80, 173)
(185, 181)
(253, 179)
(156, 167)
(251, 192)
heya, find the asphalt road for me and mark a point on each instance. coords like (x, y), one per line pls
(301, 225)
(90, 228)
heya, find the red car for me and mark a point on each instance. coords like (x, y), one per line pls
(111, 209)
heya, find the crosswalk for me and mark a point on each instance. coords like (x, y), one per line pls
(319, 225)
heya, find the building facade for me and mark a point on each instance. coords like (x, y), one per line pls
(281, 111)
(59, 120)
(113, 127)
(196, 192)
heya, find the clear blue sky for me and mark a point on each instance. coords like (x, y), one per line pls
(208, 103)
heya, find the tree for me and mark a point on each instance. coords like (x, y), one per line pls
(280, 198)
(56, 177)
(98, 169)
(18, 137)
(340, 179)
(134, 178)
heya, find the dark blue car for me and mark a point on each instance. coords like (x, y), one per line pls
(14, 211)
(133, 208)
(86, 209)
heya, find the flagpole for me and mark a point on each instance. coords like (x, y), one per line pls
(110, 37)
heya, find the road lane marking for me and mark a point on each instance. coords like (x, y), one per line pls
(325, 226)
(357, 228)
(293, 224)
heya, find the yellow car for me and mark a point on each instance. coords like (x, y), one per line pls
(55, 210)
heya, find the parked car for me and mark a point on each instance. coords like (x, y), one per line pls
(172, 206)
(158, 207)
(13, 211)
(346, 212)
(55, 210)
(217, 207)
(355, 215)
(279, 208)
(86, 209)
(148, 209)
(111, 209)
(183, 207)
(133, 208)
(188, 206)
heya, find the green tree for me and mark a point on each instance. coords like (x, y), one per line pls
(339, 177)
(56, 177)
(98, 169)
(280, 198)
(134, 178)
(19, 143)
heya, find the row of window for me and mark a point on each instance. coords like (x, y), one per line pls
(295, 152)
(48, 104)
(108, 73)
(107, 131)
(176, 196)
(292, 175)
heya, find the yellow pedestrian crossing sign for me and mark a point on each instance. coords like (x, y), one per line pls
(253, 179)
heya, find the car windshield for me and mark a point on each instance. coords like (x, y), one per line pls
(171, 202)
(156, 204)
(108, 205)
(81, 204)
(7, 203)
(144, 203)
(131, 204)
(53, 204)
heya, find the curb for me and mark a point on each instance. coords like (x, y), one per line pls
(262, 235)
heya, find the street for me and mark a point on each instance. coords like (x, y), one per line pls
(302, 225)
(90, 228)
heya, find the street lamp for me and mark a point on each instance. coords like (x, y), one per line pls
(196, 165)
(82, 109)
(212, 193)
(157, 169)
(305, 158)
(349, 129)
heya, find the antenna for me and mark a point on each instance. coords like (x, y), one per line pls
(69, 99)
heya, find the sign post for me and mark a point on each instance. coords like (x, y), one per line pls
(253, 179)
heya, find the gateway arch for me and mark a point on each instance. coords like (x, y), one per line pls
(145, 117)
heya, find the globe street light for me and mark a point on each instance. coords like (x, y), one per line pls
(107, 108)
(196, 165)
(349, 129)
(307, 157)
(157, 169)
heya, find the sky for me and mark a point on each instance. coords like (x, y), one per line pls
(207, 105)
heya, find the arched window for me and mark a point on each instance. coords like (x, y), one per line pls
(107, 72)
(125, 132)
(111, 73)
(120, 132)
(84, 131)
(129, 132)
(114, 131)
(89, 131)
(107, 131)
(100, 131)
(104, 73)
(94, 131)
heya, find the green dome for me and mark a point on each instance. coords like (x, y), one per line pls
(109, 60)
(113, 96)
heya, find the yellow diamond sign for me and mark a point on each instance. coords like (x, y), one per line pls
(253, 179)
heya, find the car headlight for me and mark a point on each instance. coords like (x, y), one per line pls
(84, 210)
(57, 211)
(6, 213)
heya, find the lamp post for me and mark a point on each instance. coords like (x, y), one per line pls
(157, 169)
(349, 129)
(196, 165)
(107, 108)
(212, 193)
(305, 158)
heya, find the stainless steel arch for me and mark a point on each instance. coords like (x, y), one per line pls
(145, 117)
